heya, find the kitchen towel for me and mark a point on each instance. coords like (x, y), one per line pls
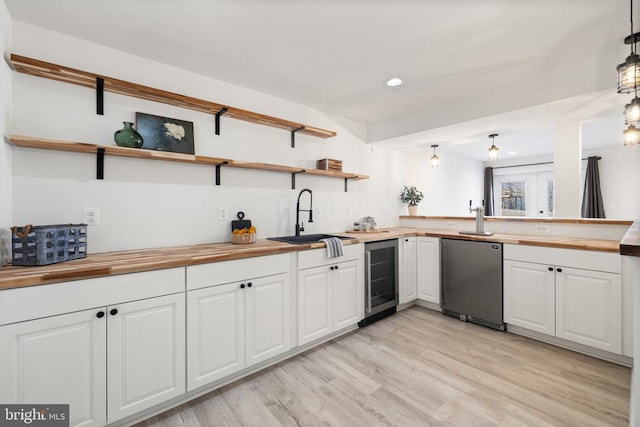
(334, 247)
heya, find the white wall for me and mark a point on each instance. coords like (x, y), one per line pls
(152, 204)
(5, 150)
(448, 188)
(619, 180)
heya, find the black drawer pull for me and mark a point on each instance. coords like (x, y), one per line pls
(100, 314)
(113, 311)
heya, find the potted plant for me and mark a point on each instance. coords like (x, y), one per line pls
(411, 196)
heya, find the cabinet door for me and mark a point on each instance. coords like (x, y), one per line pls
(348, 290)
(589, 308)
(530, 296)
(408, 270)
(59, 359)
(315, 296)
(428, 260)
(215, 333)
(145, 354)
(267, 316)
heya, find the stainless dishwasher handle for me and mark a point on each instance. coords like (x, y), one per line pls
(368, 298)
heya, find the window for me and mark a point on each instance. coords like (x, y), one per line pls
(523, 192)
(512, 198)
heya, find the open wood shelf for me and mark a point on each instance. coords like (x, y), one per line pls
(117, 151)
(61, 73)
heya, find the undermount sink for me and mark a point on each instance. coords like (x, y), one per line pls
(306, 239)
(477, 233)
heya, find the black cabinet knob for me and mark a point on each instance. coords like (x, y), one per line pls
(113, 311)
(336, 267)
(559, 270)
(550, 268)
(331, 268)
(406, 240)
(242, 286)
(100, 314)
(249, 284)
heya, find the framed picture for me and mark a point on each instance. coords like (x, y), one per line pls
(165, 134)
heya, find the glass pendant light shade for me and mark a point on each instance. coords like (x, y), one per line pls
(631, 135)
(629, 74)
(435, 160)
(632, 111)
(493, 150)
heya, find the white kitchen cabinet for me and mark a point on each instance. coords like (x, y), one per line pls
(570, 294)
(408, 287)
(268, 323)
(428, 269)
(530, 296)
(589, 308)
(71, 349)
(236, 325)
(215, 333)
(146, 354)
(330, 298)
(130, 355)
(59, 359)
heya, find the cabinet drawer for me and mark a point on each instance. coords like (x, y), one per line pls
(587, 260)
(317, 257)
(17, 305)
(219, 273)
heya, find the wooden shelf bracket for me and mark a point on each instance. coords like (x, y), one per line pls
(218, 115)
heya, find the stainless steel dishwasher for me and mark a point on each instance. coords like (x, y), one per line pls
(471, 281)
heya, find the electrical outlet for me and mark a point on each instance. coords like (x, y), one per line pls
(542, 228)
(348, 210)
(317, 212)
(223, 213)
(91, 216)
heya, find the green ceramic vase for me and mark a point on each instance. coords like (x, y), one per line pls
(128, 136)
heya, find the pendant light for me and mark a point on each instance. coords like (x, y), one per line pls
(632, 111)
(631, 135)
(493, 150)
(629, 70)
(435, 160)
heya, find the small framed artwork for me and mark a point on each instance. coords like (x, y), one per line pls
(165, 134)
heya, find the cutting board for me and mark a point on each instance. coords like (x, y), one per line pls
(240, 223)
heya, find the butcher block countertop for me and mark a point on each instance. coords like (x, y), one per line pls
(131, 261)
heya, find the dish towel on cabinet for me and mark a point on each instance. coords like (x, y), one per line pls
(334, 247)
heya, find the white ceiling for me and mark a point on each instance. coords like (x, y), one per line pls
(464, 61)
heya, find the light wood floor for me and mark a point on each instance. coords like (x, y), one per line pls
(420, 368)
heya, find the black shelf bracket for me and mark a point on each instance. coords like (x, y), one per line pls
(346, 181)
(100, 163)
(293, 137)
(100, 96)
(293, 178)
(218, 167)
(218, 115)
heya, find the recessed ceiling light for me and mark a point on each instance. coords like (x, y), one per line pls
(512, 153)
(393, 81)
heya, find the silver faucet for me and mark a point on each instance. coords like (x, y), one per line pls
(479, 217)
(300, 225)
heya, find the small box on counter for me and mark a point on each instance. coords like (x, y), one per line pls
(329, 165)
(48, 244)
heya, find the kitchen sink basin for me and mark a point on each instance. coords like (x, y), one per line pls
(306, 238)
